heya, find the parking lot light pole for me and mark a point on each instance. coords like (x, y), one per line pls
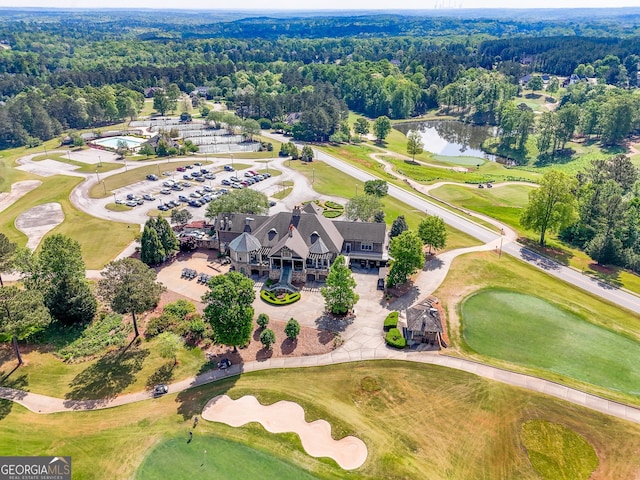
(97, 175)
(313, 176)
(99, 162)
(114, 198)
(104, 185)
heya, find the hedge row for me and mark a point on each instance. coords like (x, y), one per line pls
(332, 213)
(271, 298)
(391, 321)
(395, 339)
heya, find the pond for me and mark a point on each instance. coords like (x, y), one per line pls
(452, 139)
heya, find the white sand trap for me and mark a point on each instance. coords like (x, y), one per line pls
(349, 452)
(18, 190)
(37, 221)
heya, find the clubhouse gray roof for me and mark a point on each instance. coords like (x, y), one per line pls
(245, 243)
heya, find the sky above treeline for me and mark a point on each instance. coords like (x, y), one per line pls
(261, 5)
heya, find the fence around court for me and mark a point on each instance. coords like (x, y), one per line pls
(229, 147)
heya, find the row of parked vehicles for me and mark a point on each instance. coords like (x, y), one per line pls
(250, 177)
(195, 199)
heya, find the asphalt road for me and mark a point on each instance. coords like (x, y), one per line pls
(592, 285)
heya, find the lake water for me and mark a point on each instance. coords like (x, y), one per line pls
(452, 138)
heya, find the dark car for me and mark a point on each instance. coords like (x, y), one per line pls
(197, 164)
(163, 207)
(188, 166)
(152, 177)
(224, 364)
(146, 196)
(229, 168)
(226, 182)
(160, 389)
(199, 179)
(186, 176)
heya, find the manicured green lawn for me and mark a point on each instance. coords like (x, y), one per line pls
(418, 421)
(213, 457)
(503, 203)
(557, 452)
(330, 181)
(529, 331)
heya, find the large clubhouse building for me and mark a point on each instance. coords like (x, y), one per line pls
(298, 246)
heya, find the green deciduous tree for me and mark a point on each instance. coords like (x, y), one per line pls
(267, 338)
(361, 126)
(263, 320)
(292, 329)
(339, 293)
(377, 188)
(433, 232)
(381, 128)
(536, 83)
(22, 314)
(168, 345)
(7, 251)
(407, 257)
(58, 272)
(161, 102)
(129, 286)
(552, 206)
(415, 146)
(228, 308)
(246, 200)
(306, 154)
(180, 217)
(363, 207)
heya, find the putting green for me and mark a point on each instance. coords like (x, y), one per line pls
(528, 331)
(213, 457)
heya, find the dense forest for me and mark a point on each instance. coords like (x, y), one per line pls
(73, 70)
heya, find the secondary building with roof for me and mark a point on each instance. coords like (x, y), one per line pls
(300, 245)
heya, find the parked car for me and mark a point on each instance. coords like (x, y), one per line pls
(225, 182)
(131, 203)
(224, 364)
(188, 166)
(266, 175)
(173, 204)
(236, 185)
(181, 169)
(168, 183)
(489, 185)
(146, 196)
(160, 389)
(206, 198)
(119, 201)
(165, 191)
(234, 179)
(197, 164)
(152, 177)
(223, 191)
(480, 185)
(248, 174)
(182, 198)
(194, 195)
(272, 203)
(185, 184)
(209, 176)
(177, 187)
(195, 204)
(200, 179)
(196, 174)
(163, 207)
(229, 168)
(139, 201)
(204, 170)
(186, 176)
(207, 188)
(131, 196)
(167, 173)
(244, 184)
(253, 172)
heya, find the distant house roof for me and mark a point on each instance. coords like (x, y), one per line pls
(245, 243)
(153, 141)
(200, 91)
(423, 318)
(148, 92)
(197, 225)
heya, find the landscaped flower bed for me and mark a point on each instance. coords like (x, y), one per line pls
(395, 339)
(279, 298)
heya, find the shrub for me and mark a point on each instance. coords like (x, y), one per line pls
(391, 321)
(179, 309)
(163, 323)
(334, 205)
(292, 329)
(271, 298)
(395, 339)
(331, 213)
(263, 320)
(268, 338)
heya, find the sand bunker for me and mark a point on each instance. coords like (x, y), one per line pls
(18, 189)
(349, 452)
(37, 221)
